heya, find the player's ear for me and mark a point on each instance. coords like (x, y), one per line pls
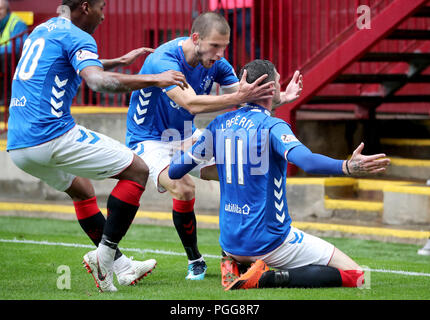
(85, 7)
(195, 37)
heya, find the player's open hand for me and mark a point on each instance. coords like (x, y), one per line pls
(249, 92)
(171, 78)
(130, 57)
(360, 164)
(294, 88)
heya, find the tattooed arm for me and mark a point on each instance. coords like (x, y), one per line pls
(105, 81)
(360, 164)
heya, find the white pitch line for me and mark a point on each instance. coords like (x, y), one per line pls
(78, 245)
(172, 253)
(405, 273)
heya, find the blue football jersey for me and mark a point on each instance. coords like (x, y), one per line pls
(46, 80)
(152, 113)
(250, 148)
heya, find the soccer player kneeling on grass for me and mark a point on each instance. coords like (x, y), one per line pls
(251, 150)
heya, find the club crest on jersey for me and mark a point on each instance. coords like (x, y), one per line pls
(207, 83)
(287, 138)
(86, 55)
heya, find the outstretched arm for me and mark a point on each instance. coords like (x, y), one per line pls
(126, 59)
(181, 164)
(246, 92)
(315, 163)
(319, 164)
(200, 152)
(104, 81)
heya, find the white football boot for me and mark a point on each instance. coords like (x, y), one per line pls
(129, 271)
(425, 251)
(101, 269)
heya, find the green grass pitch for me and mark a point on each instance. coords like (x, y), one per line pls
(41, 270)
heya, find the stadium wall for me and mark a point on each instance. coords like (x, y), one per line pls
(307, 199)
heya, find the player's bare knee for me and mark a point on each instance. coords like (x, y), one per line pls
(182, 191)
(138, 172)
(81, 189)
(143, 174)
(341, 261)
(183, 194)
(188, 193)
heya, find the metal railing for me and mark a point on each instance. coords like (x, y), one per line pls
(10, 53)
(293, 34)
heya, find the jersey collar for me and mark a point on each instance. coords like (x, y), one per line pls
(182, 55)
(257, 108)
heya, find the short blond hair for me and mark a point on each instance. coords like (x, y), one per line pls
(206, 22)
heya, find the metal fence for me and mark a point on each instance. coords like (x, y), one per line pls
(294, 34)
(11, 51)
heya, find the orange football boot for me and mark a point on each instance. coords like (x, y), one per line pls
(229, 271)
(250, 279)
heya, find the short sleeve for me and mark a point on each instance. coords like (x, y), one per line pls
(225, 74)
(282, 139)
(161, 62)
(82, 51)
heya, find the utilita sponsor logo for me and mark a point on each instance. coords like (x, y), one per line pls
(235, 208)
(18, 102)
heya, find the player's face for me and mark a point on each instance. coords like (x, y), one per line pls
(95, 15)
(211, 48)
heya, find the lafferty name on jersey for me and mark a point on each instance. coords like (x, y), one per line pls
(238, 120)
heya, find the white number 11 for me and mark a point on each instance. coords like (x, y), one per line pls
(228, 160)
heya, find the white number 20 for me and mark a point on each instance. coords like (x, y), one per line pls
(27, 53)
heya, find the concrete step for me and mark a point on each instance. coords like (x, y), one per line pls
(334, 198)
(409, 158)
(405, 204)
(357, 200)
(406, 148)
(350, 199)
(355, 210)
(365, 189)
(407, 168)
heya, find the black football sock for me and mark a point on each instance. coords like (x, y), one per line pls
(312, 276)
(92, 221)
(184, 220)
(122, 207)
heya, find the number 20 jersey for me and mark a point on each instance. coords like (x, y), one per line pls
(46, 80)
